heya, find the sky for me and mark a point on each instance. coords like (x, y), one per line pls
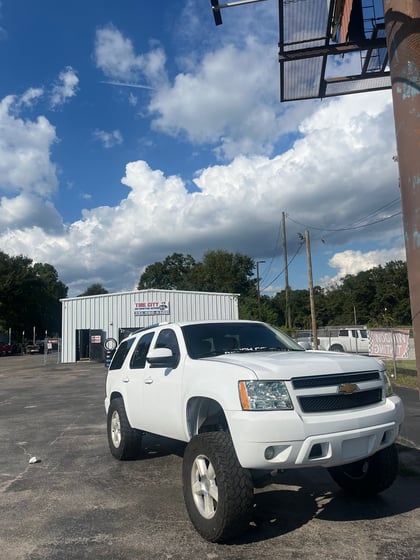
(131, 130)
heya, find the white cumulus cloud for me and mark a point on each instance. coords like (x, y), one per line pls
(353, 262)
(108, 139)
(25, 144)
(341, 164)
(65, 87)
(116, 57)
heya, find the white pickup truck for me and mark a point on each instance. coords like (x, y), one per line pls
(344, 339)
(248, 400)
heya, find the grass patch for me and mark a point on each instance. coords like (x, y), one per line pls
(406, 373)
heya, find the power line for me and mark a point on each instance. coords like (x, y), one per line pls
(288, 264)
(354, 225)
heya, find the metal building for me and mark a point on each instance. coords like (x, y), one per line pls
(87, 322)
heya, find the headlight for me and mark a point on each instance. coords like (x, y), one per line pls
(264, 395)
(388, 386)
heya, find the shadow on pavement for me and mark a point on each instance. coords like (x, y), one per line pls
(280, 510)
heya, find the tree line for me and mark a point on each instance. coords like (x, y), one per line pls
(30, 296)
(30, 293)
(376, 297)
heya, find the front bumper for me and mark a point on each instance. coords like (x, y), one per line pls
(314, 440)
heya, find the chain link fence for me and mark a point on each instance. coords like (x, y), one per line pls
(388, 343)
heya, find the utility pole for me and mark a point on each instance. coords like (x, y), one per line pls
(311, 290)
(403, 39)
(258, 288)
(288, 316)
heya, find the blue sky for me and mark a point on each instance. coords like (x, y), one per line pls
(132, 130)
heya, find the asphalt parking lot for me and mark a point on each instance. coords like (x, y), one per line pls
(77, 502)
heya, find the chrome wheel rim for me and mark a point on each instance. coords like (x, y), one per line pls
(204, 487)
(115, 429)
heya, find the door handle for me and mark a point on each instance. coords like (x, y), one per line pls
(125, 380)
(148, 381)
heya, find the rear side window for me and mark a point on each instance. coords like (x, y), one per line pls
(138, 359)
(121, 353)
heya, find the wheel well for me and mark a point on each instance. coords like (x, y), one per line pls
(205, 415)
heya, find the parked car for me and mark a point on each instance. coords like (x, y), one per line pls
(32, 349)
(345, 339)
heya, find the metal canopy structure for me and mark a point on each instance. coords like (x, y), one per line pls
(216, 7)
(320, 40)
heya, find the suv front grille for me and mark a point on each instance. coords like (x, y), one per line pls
(325, 403)
(337, 379)
(366, 395)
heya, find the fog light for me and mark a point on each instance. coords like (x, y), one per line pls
(269, 453)
(316, 451)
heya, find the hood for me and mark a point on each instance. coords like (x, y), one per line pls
(285, 365)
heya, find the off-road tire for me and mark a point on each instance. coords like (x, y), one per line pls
(218, 492)
(124, 442)
(369, 476)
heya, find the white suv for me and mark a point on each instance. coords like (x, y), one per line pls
(248, 400)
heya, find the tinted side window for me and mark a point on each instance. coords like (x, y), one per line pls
(138, 359)
(167, 339)
(121, 353)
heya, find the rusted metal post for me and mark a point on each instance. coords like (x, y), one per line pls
(311, 290)
(402, 25)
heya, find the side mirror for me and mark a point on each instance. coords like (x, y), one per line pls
(161, 357)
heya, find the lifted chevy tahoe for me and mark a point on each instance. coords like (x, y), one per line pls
(248, 400)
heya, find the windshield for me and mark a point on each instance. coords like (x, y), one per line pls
(212, 339)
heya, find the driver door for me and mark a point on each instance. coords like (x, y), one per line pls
(162, 411)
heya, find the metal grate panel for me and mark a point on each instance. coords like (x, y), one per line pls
(329, 403)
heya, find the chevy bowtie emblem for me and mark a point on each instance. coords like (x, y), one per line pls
(348, 388)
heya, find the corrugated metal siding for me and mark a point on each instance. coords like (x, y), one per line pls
(110, 312)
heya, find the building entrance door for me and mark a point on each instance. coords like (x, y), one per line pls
(82, 344)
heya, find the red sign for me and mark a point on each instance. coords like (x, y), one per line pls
(390, 343)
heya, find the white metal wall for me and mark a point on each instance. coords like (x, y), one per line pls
(110, 312)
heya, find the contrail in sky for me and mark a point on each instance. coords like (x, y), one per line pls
(126, 84)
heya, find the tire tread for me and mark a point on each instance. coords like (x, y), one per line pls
(234, 482)
(130, 446)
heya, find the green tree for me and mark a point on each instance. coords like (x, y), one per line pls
(391, 303)
(171, 274)
(266, 311)
(94, 290)
(220, 271)
(30, 296)
(299, 307)
(375, 297)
